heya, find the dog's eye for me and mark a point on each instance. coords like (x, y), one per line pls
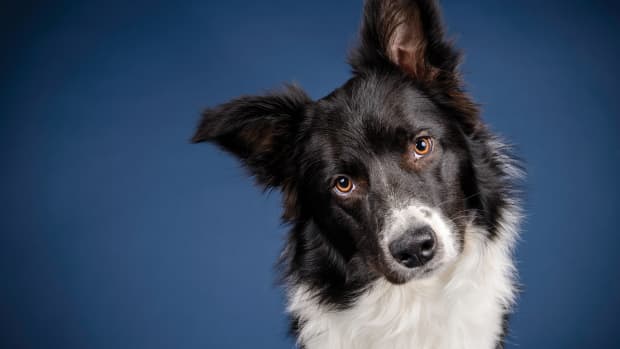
(423, 146)
(343, 184)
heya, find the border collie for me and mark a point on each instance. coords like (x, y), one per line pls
(400, 201)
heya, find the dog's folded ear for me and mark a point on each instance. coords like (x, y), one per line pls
(260, 130)
(407, 34)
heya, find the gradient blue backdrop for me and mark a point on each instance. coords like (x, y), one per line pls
(117, 233)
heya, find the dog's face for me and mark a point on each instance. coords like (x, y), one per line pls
(381, 168)
(384, 165)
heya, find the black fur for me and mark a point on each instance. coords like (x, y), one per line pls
(364, 129)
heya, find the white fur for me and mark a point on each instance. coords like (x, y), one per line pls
(460, 306)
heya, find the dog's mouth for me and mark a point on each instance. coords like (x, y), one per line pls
(396, 273)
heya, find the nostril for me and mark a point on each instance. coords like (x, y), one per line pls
(427, 246)
(426, 241)
(405, 258)
(408, 259)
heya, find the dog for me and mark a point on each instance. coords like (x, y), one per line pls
(402, 205)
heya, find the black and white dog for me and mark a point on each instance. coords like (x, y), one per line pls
(401, 202)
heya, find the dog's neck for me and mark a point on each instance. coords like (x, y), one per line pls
(461, 307)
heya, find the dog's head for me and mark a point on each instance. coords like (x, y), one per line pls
(388, 165)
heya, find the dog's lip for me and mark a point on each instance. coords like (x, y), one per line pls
(403, 278)
(399, 275)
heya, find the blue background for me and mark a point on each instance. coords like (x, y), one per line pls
(117, 233)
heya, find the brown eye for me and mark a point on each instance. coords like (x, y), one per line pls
(343, 184)
(423, 146)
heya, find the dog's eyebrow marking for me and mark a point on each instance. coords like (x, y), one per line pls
(382, 176)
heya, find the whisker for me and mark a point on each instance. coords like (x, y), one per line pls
(449, 201)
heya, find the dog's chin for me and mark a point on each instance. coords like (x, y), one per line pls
(398, 275)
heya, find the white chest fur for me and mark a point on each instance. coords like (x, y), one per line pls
(461, 307)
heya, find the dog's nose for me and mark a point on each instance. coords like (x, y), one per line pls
(415, 247)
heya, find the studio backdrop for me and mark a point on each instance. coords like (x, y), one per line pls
(116, 232)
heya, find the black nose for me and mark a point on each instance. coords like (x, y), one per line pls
(415, 247)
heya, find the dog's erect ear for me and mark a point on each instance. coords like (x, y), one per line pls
(405, 33)
(408, 35)
(260, 130)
